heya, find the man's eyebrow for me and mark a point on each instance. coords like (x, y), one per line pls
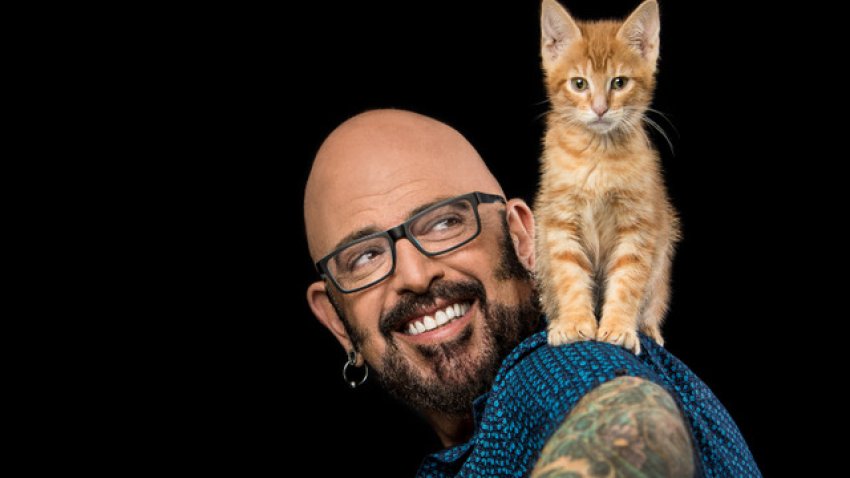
(358, 234)
(426, 206)
(369, 230)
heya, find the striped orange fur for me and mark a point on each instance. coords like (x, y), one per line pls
(606, 229)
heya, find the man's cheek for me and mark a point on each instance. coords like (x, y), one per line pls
(364, 320)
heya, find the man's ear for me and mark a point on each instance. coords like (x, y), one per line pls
(320, 304)
(521, 227)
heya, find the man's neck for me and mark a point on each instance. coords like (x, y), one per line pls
(451, 429)
(457, 429)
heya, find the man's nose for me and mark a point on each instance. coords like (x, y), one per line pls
(414, 271)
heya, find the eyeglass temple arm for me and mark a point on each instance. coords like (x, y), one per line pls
(489, 198)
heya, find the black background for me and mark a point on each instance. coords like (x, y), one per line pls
(288, 78)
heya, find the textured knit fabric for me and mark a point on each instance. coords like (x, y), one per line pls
(538, 385)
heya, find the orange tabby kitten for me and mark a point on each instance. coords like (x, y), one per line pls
(605, 226)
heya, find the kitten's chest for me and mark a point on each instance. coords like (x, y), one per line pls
(598, 190)
(597, 226)
(596, 179)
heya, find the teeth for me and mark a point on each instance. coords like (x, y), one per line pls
(441, 317)
(450, 312)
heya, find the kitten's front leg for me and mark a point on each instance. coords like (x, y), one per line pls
(566, 284)
(627, 274)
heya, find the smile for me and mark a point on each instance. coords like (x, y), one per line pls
(439, 319)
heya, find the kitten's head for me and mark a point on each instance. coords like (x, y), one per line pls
(600, 75)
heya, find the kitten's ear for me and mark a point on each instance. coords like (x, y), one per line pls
(641, 30)
(558, 31)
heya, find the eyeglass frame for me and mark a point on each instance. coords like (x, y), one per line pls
(402, 231)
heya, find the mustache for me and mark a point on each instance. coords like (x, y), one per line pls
(410, 304)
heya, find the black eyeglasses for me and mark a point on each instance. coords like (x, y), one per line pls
(441, 228)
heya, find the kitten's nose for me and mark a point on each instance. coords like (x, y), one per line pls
(600, 110)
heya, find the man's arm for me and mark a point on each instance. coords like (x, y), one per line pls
(625, 427)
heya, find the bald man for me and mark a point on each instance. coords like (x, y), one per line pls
(426, 284)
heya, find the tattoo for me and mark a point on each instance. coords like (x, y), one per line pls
(627, 427)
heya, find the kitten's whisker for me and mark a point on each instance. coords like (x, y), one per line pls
(643, 112)
(661, 114)
(663, 133)
(629, 128)
(566, 119)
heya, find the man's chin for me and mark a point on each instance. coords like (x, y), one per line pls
(446, 375)
(444, 370)
(450, 388)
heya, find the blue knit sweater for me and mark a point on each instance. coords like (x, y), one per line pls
(538, 385)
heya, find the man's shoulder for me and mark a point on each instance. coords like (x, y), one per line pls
(633, 425)
(537, 378)
(536, 388)
(548, 367)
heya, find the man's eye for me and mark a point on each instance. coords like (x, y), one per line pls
(364, 259)
(446, 223)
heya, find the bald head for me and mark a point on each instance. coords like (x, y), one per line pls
(377, 167)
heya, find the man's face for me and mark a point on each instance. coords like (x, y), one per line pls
(373, 174)
(482, 288)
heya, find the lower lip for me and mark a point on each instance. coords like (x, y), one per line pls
(444, 333)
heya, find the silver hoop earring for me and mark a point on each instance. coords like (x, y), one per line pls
(352, 360)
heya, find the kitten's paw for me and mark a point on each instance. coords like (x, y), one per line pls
(654, 333)
(574, 329)
(620, 335)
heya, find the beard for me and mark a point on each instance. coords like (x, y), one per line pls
(460, 370)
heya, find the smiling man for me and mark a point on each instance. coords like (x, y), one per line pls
(425, 282)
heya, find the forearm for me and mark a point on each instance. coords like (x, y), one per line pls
(627, 427)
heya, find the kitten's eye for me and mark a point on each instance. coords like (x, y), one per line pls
(619, 83)
(580, 84)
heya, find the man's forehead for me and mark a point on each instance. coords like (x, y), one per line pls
(370, 229)
(368, 214)
(375, 174)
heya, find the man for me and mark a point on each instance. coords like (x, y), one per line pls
(426, 283)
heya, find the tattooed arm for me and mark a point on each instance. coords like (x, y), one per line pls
(625, 427)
